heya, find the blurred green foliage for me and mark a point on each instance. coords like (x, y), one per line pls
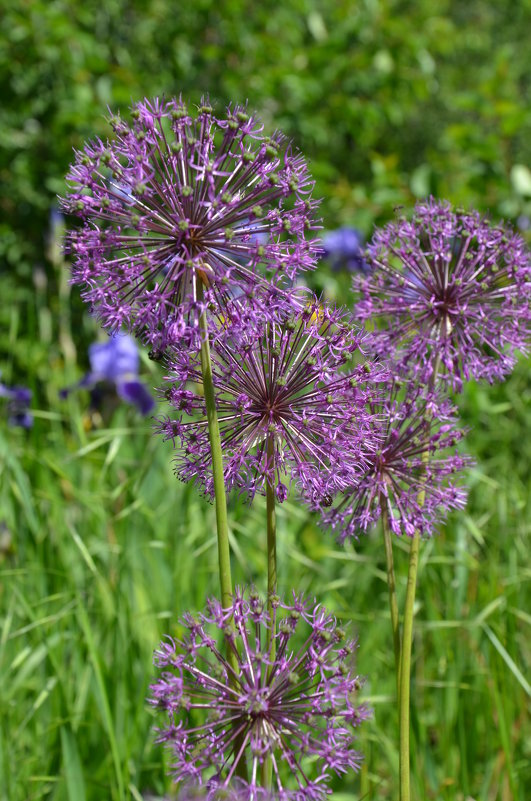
(389, 100)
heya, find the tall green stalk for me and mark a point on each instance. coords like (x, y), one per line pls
(407, 634)
(220, 497)
(271, 545)
(391, 586)
(222, 525)
(267, 767)
(405, 669)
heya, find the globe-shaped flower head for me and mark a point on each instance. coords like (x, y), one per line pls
(451, 290)
(183, 212)
(288, 411)
(413, 476)
(291, 697)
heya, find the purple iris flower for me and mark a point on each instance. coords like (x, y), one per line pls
(116, 362)
(19, 399)
(344, 250)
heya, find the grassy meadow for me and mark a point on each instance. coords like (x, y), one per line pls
(103, 549)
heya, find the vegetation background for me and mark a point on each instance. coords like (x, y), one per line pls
(101, 549)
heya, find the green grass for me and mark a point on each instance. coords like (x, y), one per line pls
(103, 549)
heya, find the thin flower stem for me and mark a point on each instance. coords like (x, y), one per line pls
(222, 526)
(391, 586)
(220, 496)
(407, 634)
(271, 548)
(267, 767)
(405, 668)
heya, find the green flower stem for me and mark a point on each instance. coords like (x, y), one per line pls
(391, 586)
(267, 766)
(271, 545)
(405, 668)
(407, 636)
(220, 496)
(222, 525)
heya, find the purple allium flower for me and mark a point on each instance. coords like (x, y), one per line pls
(286, 412)
(18, 404)
(410, 475)
(449, 287)
(236, 790)
(343, 248)
(292, 700)
(116, 362)
(183, 212)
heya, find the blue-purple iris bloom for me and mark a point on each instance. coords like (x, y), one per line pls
(117, 362)
(343, 249)
(19, 399)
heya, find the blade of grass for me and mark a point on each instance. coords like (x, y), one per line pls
(102, 697)
(520, 678)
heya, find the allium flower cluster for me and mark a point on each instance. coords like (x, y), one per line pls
(287, 412)
(183, 212)
(450, 288)
(291, 697)
(237, 790)
(413, 476)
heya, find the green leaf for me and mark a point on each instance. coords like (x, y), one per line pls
(73, 771)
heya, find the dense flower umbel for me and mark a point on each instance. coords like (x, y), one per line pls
(237, 790)
(292, 700)
(184, 210)
(409, 475)
(286, 412)
(451, 287)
